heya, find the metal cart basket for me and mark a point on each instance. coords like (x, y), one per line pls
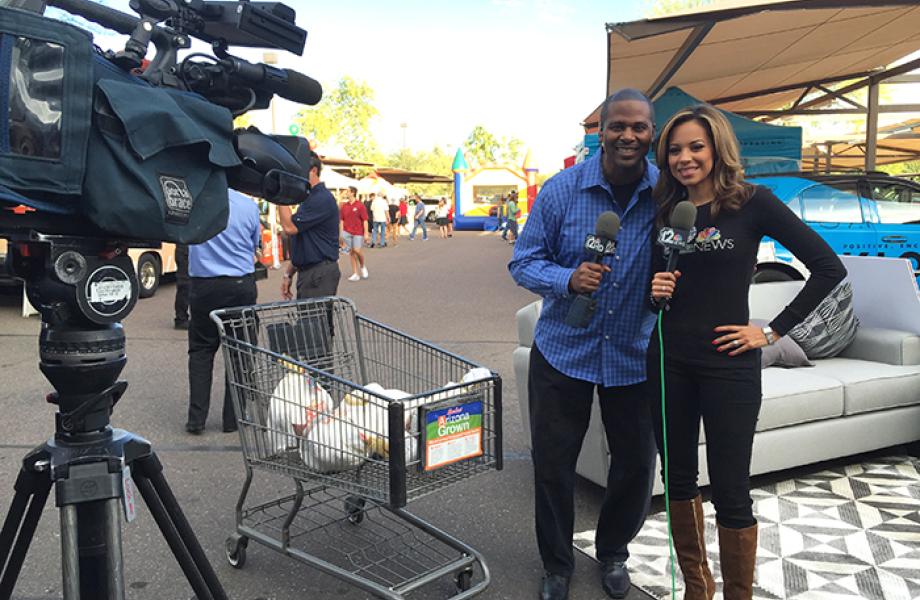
(363, 419)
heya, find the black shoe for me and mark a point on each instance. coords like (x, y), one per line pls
(194, 429)
(555, 587)
(230, 428)
(180, 324)
(615, 580)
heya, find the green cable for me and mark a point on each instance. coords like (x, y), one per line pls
(664, 458)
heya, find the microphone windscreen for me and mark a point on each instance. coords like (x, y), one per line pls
(301, 88)
(608, 225)
(683, 216)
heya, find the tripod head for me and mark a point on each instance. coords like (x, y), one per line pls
(82, 287)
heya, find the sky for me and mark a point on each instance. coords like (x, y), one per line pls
(530, 69)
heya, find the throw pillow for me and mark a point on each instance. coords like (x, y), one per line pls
(830, 327)
(784, 353)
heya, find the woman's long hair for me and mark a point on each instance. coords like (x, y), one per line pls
(731, 190)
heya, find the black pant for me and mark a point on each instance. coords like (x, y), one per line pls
(560, 409)
(182, 282)
(207, 294)
(728, 401)
(318, 280)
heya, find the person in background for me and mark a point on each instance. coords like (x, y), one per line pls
(403, 216)
(418, 217)
(512, 212)
(368, 201)
(393, 223)
(569, 364)
(314, 232)
(441, 217)
(450, 220)
(221, 274)
(354, 232)
(180, 305)
(502, 218)
(711, 354)
(380, 212)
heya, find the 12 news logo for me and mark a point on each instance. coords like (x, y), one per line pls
(599, 245)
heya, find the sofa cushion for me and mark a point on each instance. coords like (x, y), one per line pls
(872, 386)
(885, 346)
(791, 397)
(526, 319)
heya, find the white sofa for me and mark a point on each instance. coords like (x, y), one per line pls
(864, 399)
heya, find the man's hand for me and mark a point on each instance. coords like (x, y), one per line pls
(587, 277)
(286, 287)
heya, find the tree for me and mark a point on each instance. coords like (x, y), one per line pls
(435, 161)
(343, 116)
(483, 147)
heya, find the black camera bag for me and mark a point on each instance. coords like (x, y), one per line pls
(84, 137)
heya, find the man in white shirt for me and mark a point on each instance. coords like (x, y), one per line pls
(381, 214)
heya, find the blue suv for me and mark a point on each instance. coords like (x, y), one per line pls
(871, 214)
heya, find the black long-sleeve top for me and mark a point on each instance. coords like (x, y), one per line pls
(715, 278)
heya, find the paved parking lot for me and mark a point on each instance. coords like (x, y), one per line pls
(455, 293)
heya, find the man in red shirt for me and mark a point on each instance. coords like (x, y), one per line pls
(354, 232)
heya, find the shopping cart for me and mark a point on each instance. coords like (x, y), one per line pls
(363, 419)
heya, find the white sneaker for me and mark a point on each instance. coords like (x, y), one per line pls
(354, 278)
(364, 273)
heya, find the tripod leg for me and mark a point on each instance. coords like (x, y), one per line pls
(70, 552)
(32, 491)
(91, 550)
(175, 528)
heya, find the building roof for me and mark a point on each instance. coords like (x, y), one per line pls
(742, 47)
(401, 176)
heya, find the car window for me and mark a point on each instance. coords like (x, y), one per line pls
(897, 203)
(837, 203)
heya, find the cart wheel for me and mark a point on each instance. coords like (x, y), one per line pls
(354, 508)
(465, 579)
(236, 550)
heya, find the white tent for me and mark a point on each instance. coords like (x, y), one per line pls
(337, 181)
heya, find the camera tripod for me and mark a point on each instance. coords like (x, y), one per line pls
(82, 291)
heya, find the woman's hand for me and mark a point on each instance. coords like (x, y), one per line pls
(738, 339)
(663, 284)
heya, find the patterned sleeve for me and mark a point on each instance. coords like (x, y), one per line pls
(533, 265)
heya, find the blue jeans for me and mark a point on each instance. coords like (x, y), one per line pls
(381, 228)
(424, 227)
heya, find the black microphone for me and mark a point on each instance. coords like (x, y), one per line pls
(676, 238)
(600, 244)
(287, 83)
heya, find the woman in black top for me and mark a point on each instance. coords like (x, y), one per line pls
(712, 356)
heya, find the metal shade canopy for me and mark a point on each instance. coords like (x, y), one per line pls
(755, 58)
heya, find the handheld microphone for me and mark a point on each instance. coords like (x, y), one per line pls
(600, 244)
(677, 238)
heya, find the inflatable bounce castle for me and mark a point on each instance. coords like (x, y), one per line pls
(478, 191)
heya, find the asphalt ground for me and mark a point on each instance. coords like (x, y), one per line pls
(455, 293)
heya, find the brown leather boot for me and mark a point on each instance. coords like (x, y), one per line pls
(738, 554)
(689, 542)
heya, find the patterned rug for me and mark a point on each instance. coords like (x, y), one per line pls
(847, 532)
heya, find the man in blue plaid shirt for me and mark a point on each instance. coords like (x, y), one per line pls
(567, 364)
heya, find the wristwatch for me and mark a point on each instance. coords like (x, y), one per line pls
(768, 333)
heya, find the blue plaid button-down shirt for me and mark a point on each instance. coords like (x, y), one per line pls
(611, 350)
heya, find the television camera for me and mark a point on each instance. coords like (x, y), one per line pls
(101, 151)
